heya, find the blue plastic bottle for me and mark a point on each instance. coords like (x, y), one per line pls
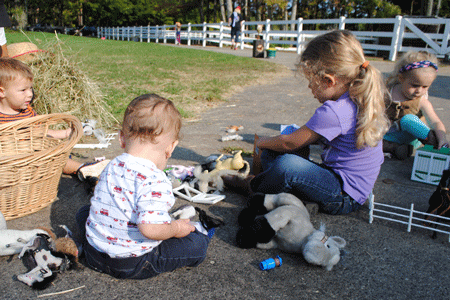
(270, 263)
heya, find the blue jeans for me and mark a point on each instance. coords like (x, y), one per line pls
(291, 173)
(171, 254)
(235, 35)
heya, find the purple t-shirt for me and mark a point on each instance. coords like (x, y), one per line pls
(358, 168)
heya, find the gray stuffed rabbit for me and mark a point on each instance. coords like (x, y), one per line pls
(282, 221)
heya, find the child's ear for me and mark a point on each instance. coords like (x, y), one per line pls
(170, 148)
(329, 80)
(121, 139)
(2, 92)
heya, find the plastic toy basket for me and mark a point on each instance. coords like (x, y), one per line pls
(31, 162)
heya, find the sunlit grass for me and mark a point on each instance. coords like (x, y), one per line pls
(192, 78)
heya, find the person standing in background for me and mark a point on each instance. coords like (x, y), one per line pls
(235, 21)
(178, 33)
(4, 22)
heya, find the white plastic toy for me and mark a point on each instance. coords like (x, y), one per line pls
(185, 191)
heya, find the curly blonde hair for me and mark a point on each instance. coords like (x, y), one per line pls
(339, 53)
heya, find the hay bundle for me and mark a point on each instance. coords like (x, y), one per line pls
(61, 87)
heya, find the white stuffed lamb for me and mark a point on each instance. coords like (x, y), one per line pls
(12, 241)
(282, 221)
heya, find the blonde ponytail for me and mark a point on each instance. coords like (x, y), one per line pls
(368, 92)
(339, 53)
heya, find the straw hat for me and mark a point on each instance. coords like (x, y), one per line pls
(25, 51)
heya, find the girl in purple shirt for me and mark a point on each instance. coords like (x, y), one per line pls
(350, 124)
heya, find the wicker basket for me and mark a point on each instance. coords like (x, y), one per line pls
(31, 163)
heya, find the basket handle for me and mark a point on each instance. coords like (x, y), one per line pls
(47, 120)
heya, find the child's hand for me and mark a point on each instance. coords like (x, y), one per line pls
(183, 227)
(441, 139)
(68, 132)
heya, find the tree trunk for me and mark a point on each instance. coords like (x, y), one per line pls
(438, 8)
(293, 15)
(202, 16)
(258, 10)
(429, 8)
(229, 7)
(246, 16)
(222, 11)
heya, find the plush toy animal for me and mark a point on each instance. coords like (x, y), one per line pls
(233, 163)
(12, 241)
(282, 221)
(207, 179)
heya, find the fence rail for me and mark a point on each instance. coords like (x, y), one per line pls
(408, 217)
(382, 37)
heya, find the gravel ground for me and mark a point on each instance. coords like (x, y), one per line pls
(381, 260)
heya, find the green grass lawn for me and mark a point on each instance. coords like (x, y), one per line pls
(194, 79)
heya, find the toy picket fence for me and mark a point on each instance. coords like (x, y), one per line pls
(104, 143)
(406, 216)
(429, 164)
(31, 162)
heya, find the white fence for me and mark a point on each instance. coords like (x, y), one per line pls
(386, 37)
(407, 217)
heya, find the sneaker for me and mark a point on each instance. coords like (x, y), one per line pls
(92, 169)
(208, 222)
(211, 232)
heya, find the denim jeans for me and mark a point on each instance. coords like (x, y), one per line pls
(291, 173)
(171, 254)
(236, 35)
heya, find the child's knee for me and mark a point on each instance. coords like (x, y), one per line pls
(412, 124)
(200, 243)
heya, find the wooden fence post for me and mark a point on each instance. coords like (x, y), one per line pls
(300, 38)
(157, 34)
(221, 35)
(204, 35)
(148, 34)
(342, 23)
(164, 34)
(444, 46)
(189, 34)
(242, 35)
(395, 38)
(267, 35)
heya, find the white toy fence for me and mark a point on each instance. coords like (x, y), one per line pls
(406, 216)
(392, 35)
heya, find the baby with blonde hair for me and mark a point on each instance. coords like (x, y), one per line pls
(350, 124)
(409, 108)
